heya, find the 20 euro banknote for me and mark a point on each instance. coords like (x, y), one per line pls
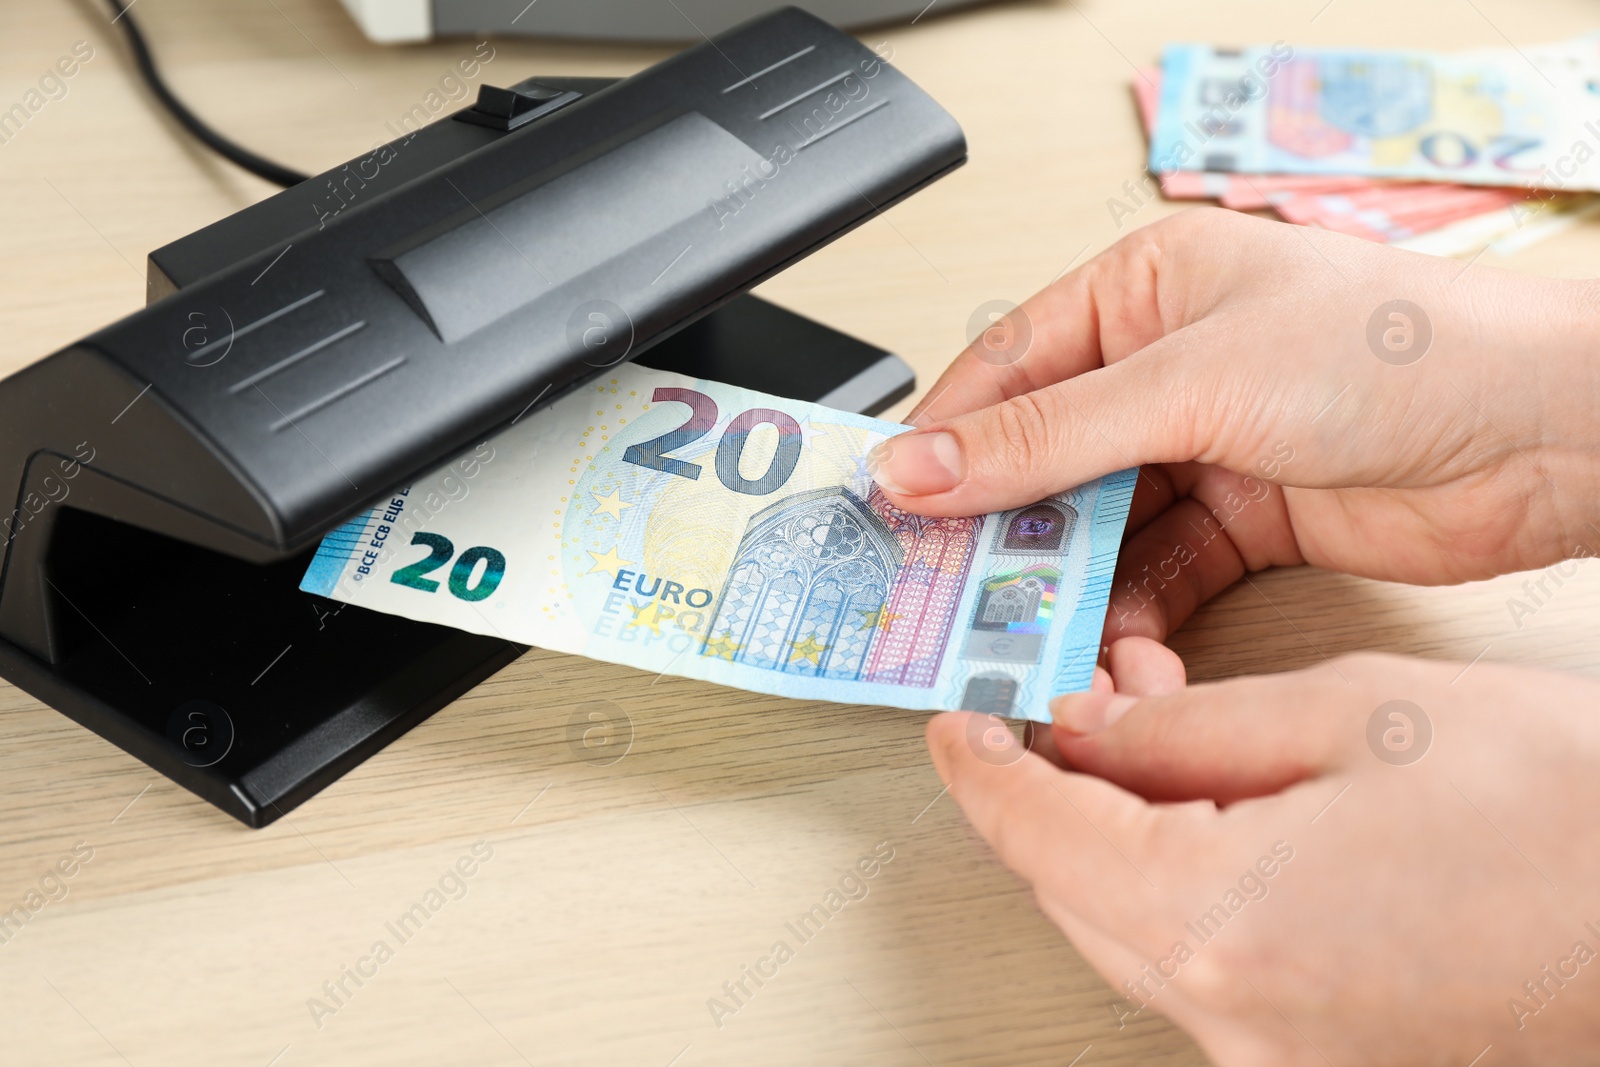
(1490, 117)
(686, 527)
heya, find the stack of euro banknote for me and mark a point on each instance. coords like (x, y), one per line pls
(1442, 153)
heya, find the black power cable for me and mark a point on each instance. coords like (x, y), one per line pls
(236, 153)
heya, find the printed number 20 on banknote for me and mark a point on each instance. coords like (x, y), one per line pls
(686, 527)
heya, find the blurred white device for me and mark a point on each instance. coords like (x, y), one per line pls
(395, 21)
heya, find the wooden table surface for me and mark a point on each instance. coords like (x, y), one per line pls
(616, 900)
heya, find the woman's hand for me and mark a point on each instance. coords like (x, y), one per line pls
(1300, 872)
(1288, 416)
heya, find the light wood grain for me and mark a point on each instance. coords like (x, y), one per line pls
(620, 898)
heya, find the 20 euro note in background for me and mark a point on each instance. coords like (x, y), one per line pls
(686, 527)
(1510, 117)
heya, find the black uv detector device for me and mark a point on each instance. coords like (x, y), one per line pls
(169, 477)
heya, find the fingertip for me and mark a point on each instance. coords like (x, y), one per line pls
(1101, 682)
(944, 734)
(1040, 739)
(918, 463)
(1084, 714)
(1145, 667)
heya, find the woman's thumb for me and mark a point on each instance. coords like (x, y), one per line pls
(1022, 450)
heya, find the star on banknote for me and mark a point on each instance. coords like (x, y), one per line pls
(607, 562)
(610, 504)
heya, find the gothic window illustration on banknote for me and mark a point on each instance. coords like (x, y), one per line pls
(822, 578)
(1377, 96)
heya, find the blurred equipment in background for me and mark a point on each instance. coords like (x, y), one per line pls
(394, 21)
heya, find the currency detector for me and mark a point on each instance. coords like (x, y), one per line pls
(171, 474)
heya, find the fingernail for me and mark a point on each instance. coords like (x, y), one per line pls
(918, 464)
(1090, 713)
